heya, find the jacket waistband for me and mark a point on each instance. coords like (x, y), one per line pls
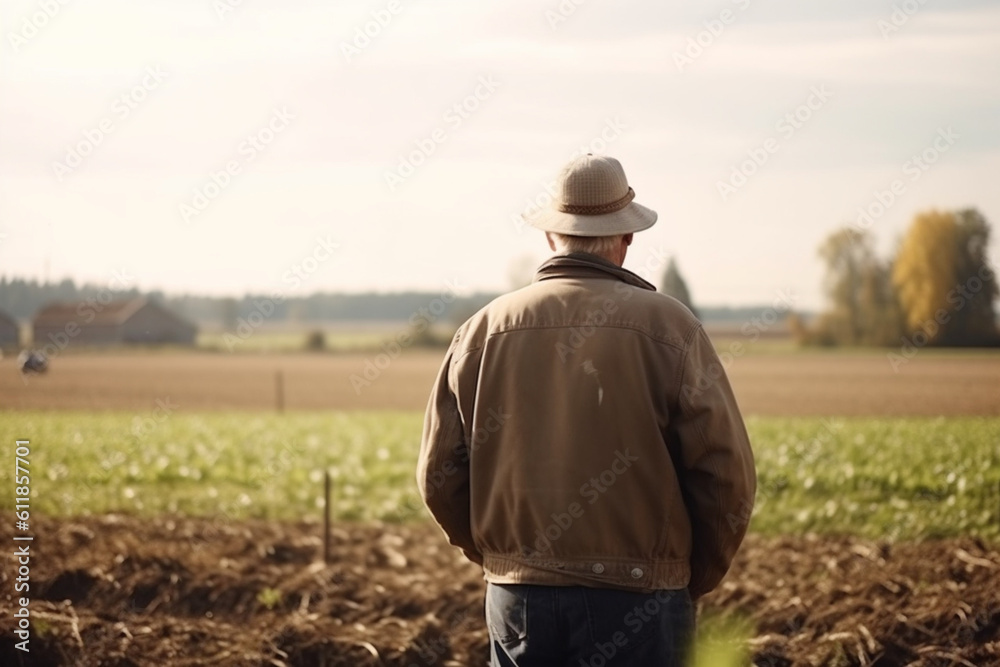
(598, 572)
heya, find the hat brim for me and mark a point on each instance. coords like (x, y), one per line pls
(632, 218)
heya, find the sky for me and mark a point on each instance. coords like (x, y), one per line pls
(226, 146)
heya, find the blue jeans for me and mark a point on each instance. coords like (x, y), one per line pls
(575, 626)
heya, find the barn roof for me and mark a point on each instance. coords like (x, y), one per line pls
(89, 314)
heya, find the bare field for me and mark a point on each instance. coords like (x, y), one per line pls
(117, 590)
(776, 382)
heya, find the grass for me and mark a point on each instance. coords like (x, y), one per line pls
(289, 341)
(787, 346)
(894, 478)
(891, 478)
(335, 339)
(721, 641)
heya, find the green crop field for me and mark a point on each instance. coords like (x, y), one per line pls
(893, 478)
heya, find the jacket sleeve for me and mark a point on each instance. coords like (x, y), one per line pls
(715, 464)
(443, 464)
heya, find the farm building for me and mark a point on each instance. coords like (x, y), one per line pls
(137, 320)
(10, 336)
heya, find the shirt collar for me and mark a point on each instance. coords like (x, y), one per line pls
(584, 265)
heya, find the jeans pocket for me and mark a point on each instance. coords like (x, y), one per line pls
(621, 621)
(507, 613)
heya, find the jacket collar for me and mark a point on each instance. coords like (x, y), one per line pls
(583, 265)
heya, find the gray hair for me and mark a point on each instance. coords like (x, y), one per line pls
(602, 246)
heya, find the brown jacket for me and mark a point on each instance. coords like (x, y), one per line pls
(582, 431)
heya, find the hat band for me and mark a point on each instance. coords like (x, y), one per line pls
(600, 209)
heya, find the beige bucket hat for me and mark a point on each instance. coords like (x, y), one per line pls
(593, 198)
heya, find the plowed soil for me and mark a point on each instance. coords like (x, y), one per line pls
(123, 591)
(842, 383)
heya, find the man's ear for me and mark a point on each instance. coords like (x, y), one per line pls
(552, 244)
(628, 239)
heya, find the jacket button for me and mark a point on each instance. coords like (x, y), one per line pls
(636, 573)
(598, 568)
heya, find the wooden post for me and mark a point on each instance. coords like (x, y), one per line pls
(326, 516)
(279, 390)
